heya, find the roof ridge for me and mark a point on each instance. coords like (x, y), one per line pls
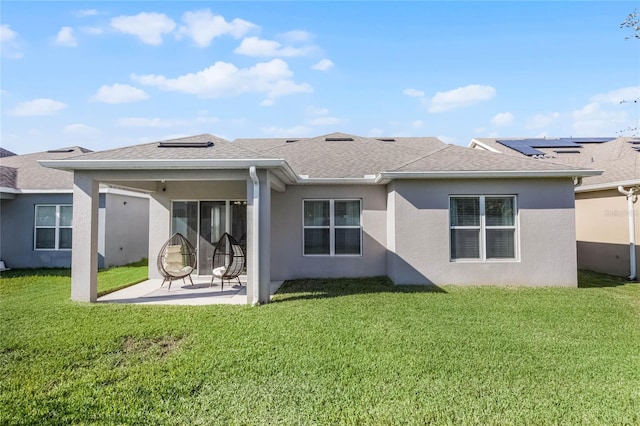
(421, 158)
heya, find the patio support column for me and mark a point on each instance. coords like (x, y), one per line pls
(259, 237)
(84, 254)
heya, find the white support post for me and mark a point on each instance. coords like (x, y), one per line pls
(84, 256)
(631, 194)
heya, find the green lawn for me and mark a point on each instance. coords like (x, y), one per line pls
(326, 352)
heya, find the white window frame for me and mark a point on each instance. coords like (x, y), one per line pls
(57, 227)
(332, 227)
(483, 227)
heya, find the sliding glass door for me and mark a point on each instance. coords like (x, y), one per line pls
(204, 222)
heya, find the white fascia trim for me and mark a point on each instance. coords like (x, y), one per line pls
(125, 192)
(385, 177)
(335, 181)
(185, 164)
(8, 190)
(475, 142)
(608, 185)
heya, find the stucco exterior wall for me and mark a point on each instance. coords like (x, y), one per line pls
(546, 230)
(602, 231)
(17, 222)
(126, 229)
(160, 207)
(287, 260)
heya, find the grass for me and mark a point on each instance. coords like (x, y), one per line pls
(326, 352)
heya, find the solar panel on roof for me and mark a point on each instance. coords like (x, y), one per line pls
(591, 140)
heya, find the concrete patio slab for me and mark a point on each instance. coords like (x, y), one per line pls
(199, 293)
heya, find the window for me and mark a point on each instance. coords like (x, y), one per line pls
(332, 227)
(53, 227)
(482, 227)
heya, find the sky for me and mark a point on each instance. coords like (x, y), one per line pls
(103, 75)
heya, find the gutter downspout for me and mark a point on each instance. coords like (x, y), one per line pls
(631, 194)
(255, 249)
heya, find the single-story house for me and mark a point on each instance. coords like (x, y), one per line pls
(36, 210)
(602, 211)
(414, 209)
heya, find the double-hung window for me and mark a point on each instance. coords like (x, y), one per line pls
(332, 227)
(483, 227)
(53, 227)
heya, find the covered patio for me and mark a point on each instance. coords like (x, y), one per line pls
(201, 292)
(179, 175)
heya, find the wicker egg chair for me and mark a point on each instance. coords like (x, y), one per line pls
(177, 259)
(228, 260)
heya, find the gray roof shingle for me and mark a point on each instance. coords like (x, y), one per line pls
(29, 174)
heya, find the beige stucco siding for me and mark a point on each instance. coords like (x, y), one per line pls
(126, 225)
(602, 231)
(287, 260)
(546, 234)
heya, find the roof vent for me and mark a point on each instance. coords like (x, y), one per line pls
(53, 151)
(176, 144)
(292, 140)
(568, 151)
(338, 139)
(386, 139)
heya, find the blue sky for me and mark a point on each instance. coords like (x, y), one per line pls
(108, 74)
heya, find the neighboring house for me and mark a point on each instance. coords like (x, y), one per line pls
(36, 211)
(602, 213)
(414, 209)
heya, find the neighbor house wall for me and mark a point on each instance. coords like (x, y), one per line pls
(160, 207)
(287, 259)
(126, 228)
(546, 233)
(17, 223)
(602, 232)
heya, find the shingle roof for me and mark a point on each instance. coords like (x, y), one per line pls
(337, 155)
(458, 158)
(340, 155)
(29, 174)
(220, 149)
(5, 153)
(618, 158)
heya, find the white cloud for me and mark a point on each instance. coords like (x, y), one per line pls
(461, 97)
(542, 120)
(9, 43)
(618, 96)
(163, 123)
(414, 93)
(376, 131)
(295, 36)
(203, 26)
(417, 124)
(42, 106)
(224, 79)
(119, 94)
(65, 37)
(502, 119)
(592, 120)
(148, 27)
(253, 46)
(92, 30)
(323, 65)
(87, 12)
(79, 129)
(313, 111)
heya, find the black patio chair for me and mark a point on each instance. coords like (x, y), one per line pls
(228, 260)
